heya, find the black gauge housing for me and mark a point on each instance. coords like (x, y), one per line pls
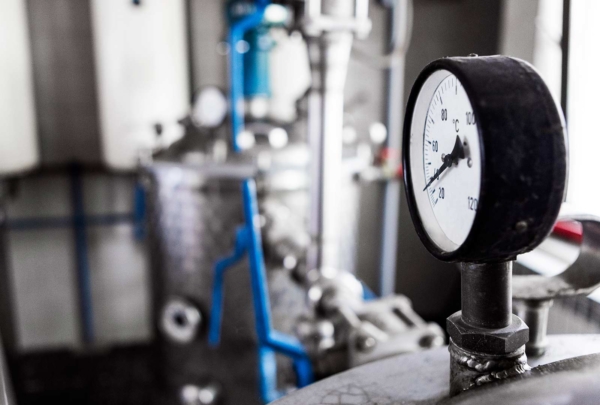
(523, 153)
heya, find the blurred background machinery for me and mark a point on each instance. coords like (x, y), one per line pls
(335, 325)
(120, 189)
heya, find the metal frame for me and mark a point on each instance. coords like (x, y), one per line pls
(79, 222)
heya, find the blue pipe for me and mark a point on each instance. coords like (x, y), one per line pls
(257, 63)
(81, 253)
(216, 314)
(268, 375)
(368, 294)
(139, 211)
(236, 69)
(248, 240)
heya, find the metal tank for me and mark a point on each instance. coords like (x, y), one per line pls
(422, 378)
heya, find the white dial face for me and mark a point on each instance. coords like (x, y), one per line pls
(445, 160)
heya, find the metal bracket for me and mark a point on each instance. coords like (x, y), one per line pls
(581, 278)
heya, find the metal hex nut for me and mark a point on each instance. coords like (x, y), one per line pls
(492, 341)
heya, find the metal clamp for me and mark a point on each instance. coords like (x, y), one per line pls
(581, 278)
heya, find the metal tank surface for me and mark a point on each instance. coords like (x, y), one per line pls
(559, 377)
(194, 210)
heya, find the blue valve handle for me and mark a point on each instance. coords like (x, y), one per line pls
(248, 241)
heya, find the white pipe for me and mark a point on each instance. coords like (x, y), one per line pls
(18, 131)
(401, 27)
(312, 8)
(330, 56)
(361, 10)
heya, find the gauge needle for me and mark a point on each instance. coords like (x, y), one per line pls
(458, 152)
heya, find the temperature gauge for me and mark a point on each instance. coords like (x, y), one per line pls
(484, 157)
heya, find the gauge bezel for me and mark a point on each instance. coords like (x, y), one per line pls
(522, 178)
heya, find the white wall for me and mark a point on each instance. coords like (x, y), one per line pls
(532, 30)
(142, 75)
(18, 136)
(583, 104)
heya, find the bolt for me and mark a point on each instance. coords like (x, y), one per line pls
(521, 226)
(470, 162)
(365, 343)
(199, 395)
(429, 341)
(290, 262)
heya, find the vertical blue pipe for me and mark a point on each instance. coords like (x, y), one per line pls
(258, 276)
(139, 211)
(267, 369)
(269, 340)
(236, 69)
(216, 314)
(257, 61)
(236, 72)
(81, 253)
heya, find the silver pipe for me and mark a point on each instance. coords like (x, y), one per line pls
(330, 55)
(535, 314)
(399, 23)
(361, 10)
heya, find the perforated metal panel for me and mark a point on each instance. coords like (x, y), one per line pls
(193, 218)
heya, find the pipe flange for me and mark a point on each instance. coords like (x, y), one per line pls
(180, 320)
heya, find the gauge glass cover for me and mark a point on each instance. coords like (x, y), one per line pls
(444, 138)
